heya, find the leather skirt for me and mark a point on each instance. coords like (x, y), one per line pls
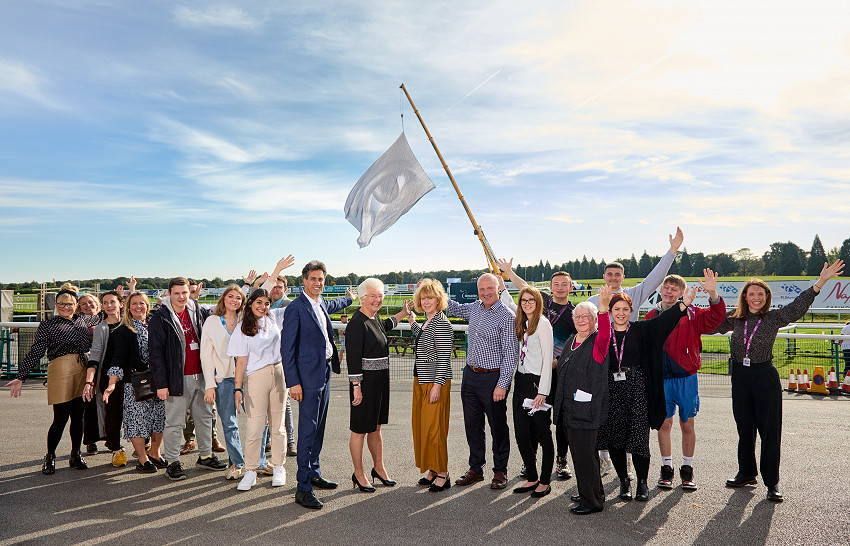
(66, 377)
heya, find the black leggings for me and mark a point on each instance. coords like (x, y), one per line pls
(72, 409)
(618, 457)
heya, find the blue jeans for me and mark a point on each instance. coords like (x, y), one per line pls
(226, 406)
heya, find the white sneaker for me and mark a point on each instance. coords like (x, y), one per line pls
(630, 469)
(279, 477)
(248, 481)
(605, 466)
(233, 472)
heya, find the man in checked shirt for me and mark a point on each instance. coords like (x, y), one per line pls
(491, 359)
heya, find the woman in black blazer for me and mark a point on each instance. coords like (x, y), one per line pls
(432, 383)
(145, 419)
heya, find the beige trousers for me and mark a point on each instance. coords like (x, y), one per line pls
(265, 394)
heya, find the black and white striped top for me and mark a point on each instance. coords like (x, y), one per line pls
(433, 350)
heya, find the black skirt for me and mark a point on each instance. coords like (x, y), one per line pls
(374, 409)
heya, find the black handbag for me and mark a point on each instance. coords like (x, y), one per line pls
(142, 385)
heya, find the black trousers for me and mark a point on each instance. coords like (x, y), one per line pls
(560, 430)
(757, 407)
(476, 393)
(586, 467)
(532, 430)
(91, 426)
(73, 410)
(618, 457)
(114, 417)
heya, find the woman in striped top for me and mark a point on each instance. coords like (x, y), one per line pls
(432, 383)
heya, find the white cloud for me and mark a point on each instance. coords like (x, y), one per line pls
(222, 16)
(22, 81)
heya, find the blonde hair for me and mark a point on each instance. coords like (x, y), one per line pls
(128, 316)
(94, 299)
(220, 309)
(526, 323)
(430, 288)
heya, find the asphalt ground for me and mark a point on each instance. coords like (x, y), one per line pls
(119, 505)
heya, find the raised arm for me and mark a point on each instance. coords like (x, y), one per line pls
(282, 264)
(507, 267)
(797, 308)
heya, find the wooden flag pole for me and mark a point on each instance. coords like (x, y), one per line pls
(488, 252)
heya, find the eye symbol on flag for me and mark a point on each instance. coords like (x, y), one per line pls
(391, 186)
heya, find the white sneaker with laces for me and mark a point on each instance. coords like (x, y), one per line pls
(279, 477)
(248, 481)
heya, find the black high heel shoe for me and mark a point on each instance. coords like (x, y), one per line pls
(425, 481)
(49, 466)
(434, 488)
(388, 483)
(77, 461)
(363, 488)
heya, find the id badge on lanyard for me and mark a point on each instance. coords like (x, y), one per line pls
(619, 376)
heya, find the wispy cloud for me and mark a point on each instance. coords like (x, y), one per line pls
(222, 17)
(23, 82)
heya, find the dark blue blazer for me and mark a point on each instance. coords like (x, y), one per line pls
(302, 345)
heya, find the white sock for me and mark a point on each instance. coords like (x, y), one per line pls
(687, 461)
(667, 461)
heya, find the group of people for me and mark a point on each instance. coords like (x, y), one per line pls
(604, 377)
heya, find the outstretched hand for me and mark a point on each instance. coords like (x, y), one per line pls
(676, 242)
(132, 284)
(250, 277)
(829, 271)
(605, 294)
(710, 284)
(351, 293)
(689, 296)
(197, 292)
(505, 265)
(283, 263)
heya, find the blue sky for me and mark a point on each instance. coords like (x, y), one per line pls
(207, 138)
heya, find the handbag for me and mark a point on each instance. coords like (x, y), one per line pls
(142, 385)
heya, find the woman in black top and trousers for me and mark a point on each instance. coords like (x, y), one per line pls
(368, 362)
(756, 390)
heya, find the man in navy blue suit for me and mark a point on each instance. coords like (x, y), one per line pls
(309, 355)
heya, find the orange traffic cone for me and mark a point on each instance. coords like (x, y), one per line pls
(792, 381)
(818, 385)
(832, 380)
(845, 387)
(803, 383)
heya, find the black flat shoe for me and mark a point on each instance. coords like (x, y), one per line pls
(773, 494)
(363, 488)
(538, 494)
(307, 499)
(642, 491)
(434, 488)
(626, 489)
(159, 463)
(425, 481)
(741, 481)
(77, 461)
(49, 466)
(525, 488)
(582, 510)
(322, 483)
(387, 482)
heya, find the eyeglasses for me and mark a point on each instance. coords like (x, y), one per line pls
(66, 305)
(525, 300)
(579, 318)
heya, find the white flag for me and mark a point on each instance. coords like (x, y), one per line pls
(391, 186)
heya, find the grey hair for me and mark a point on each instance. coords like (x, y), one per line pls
(589, 307)
(372, 283)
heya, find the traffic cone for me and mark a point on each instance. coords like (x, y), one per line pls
(792, 381)
(818, 385)
(845, 387)
(803, 382)
(832, 381)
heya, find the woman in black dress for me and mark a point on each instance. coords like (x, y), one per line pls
(368, 363)
(636, 387)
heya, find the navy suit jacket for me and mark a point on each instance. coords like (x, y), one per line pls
(302, 344)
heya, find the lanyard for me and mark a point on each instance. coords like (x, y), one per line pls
(549, 312)
(619, 351)
(523, 349)
(750, 339)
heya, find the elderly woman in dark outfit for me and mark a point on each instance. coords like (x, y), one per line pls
(581, 398)
(756, 390)
(369, 380)
(636, 386)
(66, 339)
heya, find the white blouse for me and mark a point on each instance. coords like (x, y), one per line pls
(539, 350)
(263, 348)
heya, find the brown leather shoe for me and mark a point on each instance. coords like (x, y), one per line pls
(500, 481)
(217, 447)
(469, 478)
(187, 447)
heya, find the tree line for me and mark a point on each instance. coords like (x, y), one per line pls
(785, 259)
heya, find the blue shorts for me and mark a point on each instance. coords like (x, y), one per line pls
(682, 392)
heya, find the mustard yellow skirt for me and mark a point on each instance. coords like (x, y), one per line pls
(66, 377)
(431, 427)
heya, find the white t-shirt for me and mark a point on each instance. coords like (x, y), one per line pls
(263, 348)
(846, 343)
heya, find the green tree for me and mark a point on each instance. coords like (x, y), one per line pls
(685, 266)
(698, 263)
(645, 265)
(723, 263)
(584, 268)
(634, 268)
(844, 254)
(817, 256)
